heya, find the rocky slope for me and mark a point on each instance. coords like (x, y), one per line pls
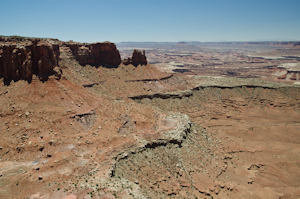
(58, 131)
(105, 129)
(255, 124)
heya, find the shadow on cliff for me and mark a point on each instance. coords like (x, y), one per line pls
(7, 82)
(42, 78)
(105, 65)
(22, 62)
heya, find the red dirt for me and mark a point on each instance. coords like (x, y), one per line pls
(123, 131)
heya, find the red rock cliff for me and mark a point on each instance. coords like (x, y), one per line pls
(22, 57)
(96, 54)
(22, 61)
(137, 58)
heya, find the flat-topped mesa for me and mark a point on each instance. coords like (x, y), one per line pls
(138, 58)
(22, 61)
(96, 53)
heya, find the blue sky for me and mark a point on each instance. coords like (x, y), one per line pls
(155, 20)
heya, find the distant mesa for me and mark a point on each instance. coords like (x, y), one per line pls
(296, 45)
(181, 43)
(138, 58)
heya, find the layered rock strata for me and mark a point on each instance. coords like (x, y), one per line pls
(22, 61)
(138, 58)
(22, 57)
(96, 53)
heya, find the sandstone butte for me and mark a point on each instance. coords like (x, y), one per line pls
(41, 58)
(78, 122)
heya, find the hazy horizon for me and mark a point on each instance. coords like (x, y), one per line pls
(155, 21)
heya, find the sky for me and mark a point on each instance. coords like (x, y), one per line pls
(152, 20)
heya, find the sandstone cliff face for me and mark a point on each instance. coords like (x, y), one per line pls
(95, 54)
(22, 61)
(138, 58)
(20, 58)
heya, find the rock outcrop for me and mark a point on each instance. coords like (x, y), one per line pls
(22, 57)
(22, 61)
(96, 53)
(138, 58)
